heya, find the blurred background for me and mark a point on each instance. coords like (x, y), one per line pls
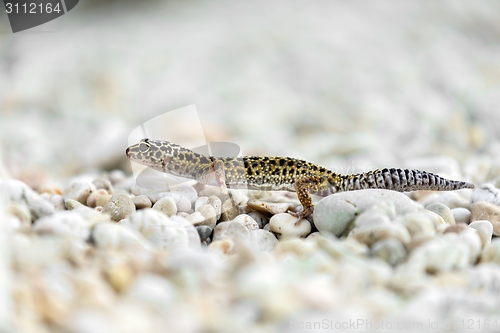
(348, 84)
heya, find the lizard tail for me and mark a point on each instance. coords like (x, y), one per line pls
(400, 180)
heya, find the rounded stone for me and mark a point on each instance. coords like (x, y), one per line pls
(486, 192)
(94, 196)
(141, 202)
(442, 211)
(229, 210)
(260, 218)
(247, 221)
(369, 235)
(216, 203)
(262, 240)
(63, 223)
(484, 230)
(18, 192)
(119, 207)
(461, 215)
(200, 202)
(287, 226)
(491, 252)
(209, 215)
(186, 191)
(204, 232)
(334, 213)
(419, 224)
(270, 207)
(112, 236)
(450, 199)
(167, 233)
(234, 231)
(486, 211)
(78, 190)
(103, 184)
(166, 205)
(390, 250)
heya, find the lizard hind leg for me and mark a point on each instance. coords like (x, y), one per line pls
(304, 187)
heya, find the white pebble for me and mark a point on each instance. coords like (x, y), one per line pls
(209, 215)
(449, 199)
(461, 215)
(63, 224)
(442, 211)
(186, 191)
(270, 207)
(486, 192)
(141, 202)
(260, 218)
(334, 213)
(234, 231)
(200, 202)
(119, 207)
(79, 190)
(238, 196)
(262, 240)
(112, 236)
(372, 234)
(390, 250)
(168, 233)
(287, 226)
(491, 252)
(247, 221)
(18, 192)
(419, 224)
(166, 205)
(484, 230)
(216, 203)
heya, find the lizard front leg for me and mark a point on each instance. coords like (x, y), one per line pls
(304, 187)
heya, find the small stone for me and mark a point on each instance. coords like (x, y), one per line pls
(419, 224)
(63, 224)
(209, 215)
(487, 211)
(369, 235)
(200, 202)
(58, 202)
(204, 232)
(270, 207)
(461, 215)
(167, 233)
(247, 221)
(22, 213)
(484, 229)
(288, 227)
(334, 213)
(260, 218)
(166, 205)
(390, 250)
(120, 277)
(186, 191)
(491, 252)
(234, 231)
(486, 193)
(181, 202)
(262, 240)
(79, 190)
(442, 211)
(216, 203)
(103, 200)
(229, 211)
(93, 197)
(119, 207)
(141, 202)
(237, 196)
(441, 254)
(223, 246)
(103, 184)
(112, 236)
(18, 192)
(73, 204)
(196, 219)
(450, 199)
(457, 228)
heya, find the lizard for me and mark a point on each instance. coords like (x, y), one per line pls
(279, 173)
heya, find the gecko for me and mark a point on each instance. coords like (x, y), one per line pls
(279, 173)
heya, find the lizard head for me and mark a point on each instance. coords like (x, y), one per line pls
(151, 153)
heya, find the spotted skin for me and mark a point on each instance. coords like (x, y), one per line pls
(279, 173)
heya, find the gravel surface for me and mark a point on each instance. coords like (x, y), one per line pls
(353, 86)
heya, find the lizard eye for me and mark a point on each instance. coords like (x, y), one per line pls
(143, 147)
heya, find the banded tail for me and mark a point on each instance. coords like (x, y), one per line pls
(400, 180)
